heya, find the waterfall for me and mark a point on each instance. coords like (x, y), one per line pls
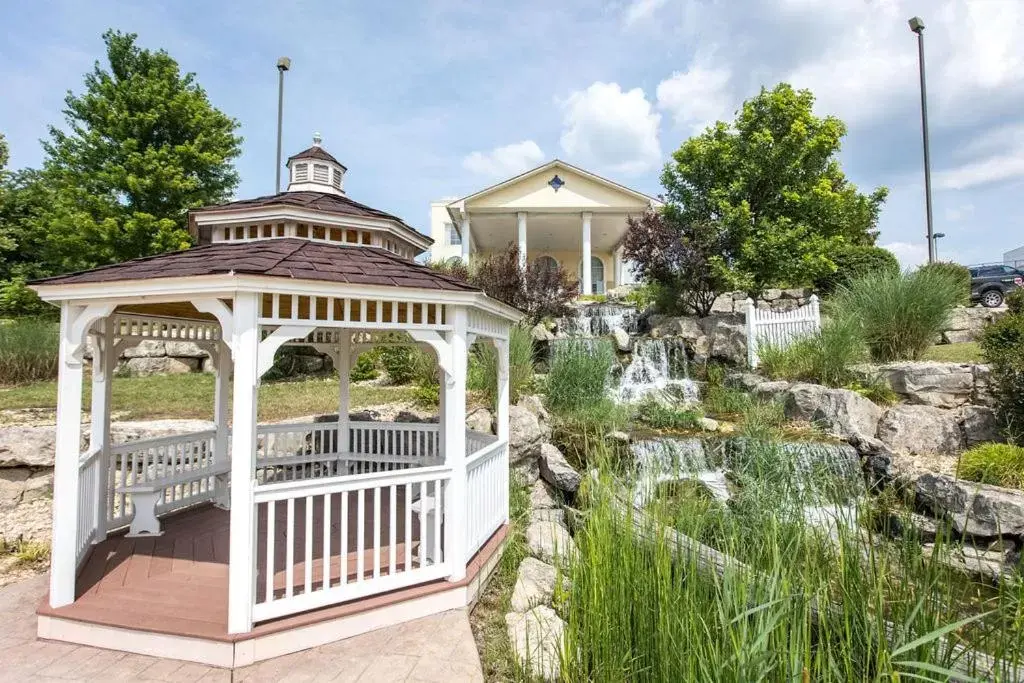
(595, 320)
(658, 369)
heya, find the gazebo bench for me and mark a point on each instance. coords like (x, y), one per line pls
(148, 494)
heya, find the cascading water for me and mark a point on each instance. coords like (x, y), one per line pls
(658, 369)
(596, 320)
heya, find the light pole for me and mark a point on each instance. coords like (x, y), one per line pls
(283, 64)
(935, 241)
(917, 26)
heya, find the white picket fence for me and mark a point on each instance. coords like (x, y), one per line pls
(780, 328)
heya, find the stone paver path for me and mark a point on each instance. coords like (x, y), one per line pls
(438, 648)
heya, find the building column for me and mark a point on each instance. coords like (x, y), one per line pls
(455, 446)
(587, 288)
(344, 366)
(465, 239)
(617, 266)
(521, 223)
(242, 548)
(104, 359)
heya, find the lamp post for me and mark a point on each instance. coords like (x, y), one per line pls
(917, 26)
(935, 241)
(283, 64)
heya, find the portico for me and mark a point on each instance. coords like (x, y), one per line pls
(557, 212)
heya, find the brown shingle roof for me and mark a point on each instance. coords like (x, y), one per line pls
(316, 152)
(288, 257)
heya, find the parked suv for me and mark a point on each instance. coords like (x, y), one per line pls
(991, 284)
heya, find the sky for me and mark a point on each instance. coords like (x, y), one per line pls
(429, 99)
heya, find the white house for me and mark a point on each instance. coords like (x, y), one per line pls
(556, 212)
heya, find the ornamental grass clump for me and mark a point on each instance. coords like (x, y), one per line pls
(483, 365)
(1000, 464)
(28, 350)
(899, 316)
(824, 358)
(579, 374)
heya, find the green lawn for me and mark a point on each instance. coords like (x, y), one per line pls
(967, 352)
(191, 396)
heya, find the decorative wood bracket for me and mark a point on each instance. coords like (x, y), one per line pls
(224, 316)
(275, 340)
(79, 328)
(443, 349)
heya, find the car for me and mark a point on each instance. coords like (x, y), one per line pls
(991, 283)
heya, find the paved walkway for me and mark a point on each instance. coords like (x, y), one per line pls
(438, 648)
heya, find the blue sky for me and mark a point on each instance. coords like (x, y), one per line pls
(434, 98)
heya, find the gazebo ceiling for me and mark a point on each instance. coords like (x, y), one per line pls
(292, 258)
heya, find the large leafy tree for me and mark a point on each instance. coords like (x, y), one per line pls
(141, 145)
(771, 187)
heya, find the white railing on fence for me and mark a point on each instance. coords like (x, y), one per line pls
(152, 460)
(780, 328)
(486, 495)
(324, 541)
(414, 439)
(89, 472)
(289, 452)
(476, 440)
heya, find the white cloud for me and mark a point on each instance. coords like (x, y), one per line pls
(909, 255)
(995, 156)
(611, 129)
(505, 161)
(955, 214)
(696, 97)
(640, 10)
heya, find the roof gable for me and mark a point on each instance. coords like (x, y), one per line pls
(538, 189)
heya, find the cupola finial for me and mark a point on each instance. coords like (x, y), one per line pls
(317, 139)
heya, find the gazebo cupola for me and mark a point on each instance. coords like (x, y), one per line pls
(316, 170)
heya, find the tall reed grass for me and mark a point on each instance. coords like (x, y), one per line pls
(483, 365)
(791, 601)
(579, 374)
(826, 358)
(28, 350)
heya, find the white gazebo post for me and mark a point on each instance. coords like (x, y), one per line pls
(465, 239)
(104, 358)
(344, 367)
(521, 224)
(587, 289)
(242, 548)
(454, 430)
(502, 407)
(220, 356)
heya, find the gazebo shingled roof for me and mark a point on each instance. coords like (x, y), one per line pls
(295, 258)
(316, 152)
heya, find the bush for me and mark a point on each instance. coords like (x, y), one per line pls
(365, 367)
(1002, 343)
(899, 316)
(824, 358)
(28, 350)
(398, 362)
(454, 267)
(999, 464)
(483, 366)
(539, 291)
(956, 272)
(853, 262)
(579, 374)
(1015, 301)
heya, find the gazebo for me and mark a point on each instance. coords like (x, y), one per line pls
(248, 541)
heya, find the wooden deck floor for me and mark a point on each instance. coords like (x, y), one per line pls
(178, 582)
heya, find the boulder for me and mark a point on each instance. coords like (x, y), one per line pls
(27, 446)
(622, 339)
(38, 487)
(974, 509)
(943, 385)
(769, 391)
(796, 293)
(528, 471)
(840, 412)
(556, 470)
(536, 640)
(555, 515)
(724, 303)
(534, 404)
(147, 348)
(535, 585)
(743, 380)
(480, 420)
(550, 542)
(146, 365)
(541, 333)
(184, 349)
(983, 386)
(708, 424)
(542, 496)
(685, 327)
(771, 294)
(525, 433)
(727, 340)
(978, 424)
(121, 432)
(918, 429)
(12, 485)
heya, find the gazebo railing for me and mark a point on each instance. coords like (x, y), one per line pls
(89, 474)
(486, 493)
(340, 538)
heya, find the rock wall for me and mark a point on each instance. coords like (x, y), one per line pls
(966, 323)
(154, 356)
(932, 383)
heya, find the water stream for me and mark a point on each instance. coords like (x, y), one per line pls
(658, 369)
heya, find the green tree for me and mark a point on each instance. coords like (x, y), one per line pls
(771, 184)
(141, 145)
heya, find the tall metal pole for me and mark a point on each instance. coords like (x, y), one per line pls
(283, 64)
(917, 26)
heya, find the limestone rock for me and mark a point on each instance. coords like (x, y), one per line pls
(27, 446)
(526, 433)
(541, 333)
(121, 432)
(685, 327)
(185, 349)
(622, 339)
(975, 509)
(39, 486)
(978, 424)
(556, 470)
(770, 391)
(708, 424)
(12, 485)
(723, 304)
(746, 381)
(528, 471)
(536, 639)
(550, 542)
(771, 294)
(534, 404)
(943, 385)
(555, 515)
(164, 365)
(919, 429)
(535, 585)
(618, 436)
(840, 412)
(480, 420)
(727, 340)
(542, 496)
(147, 348)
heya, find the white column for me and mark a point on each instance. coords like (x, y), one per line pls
(587, 289)
(220, 356)
(617, 267)
(465, 239)
(65, 468)
(455, 447)
(521, 223)
(344, 366)
(104, 359)
(242, 549)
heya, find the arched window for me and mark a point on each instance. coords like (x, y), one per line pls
(596, 276)
(548, 263)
